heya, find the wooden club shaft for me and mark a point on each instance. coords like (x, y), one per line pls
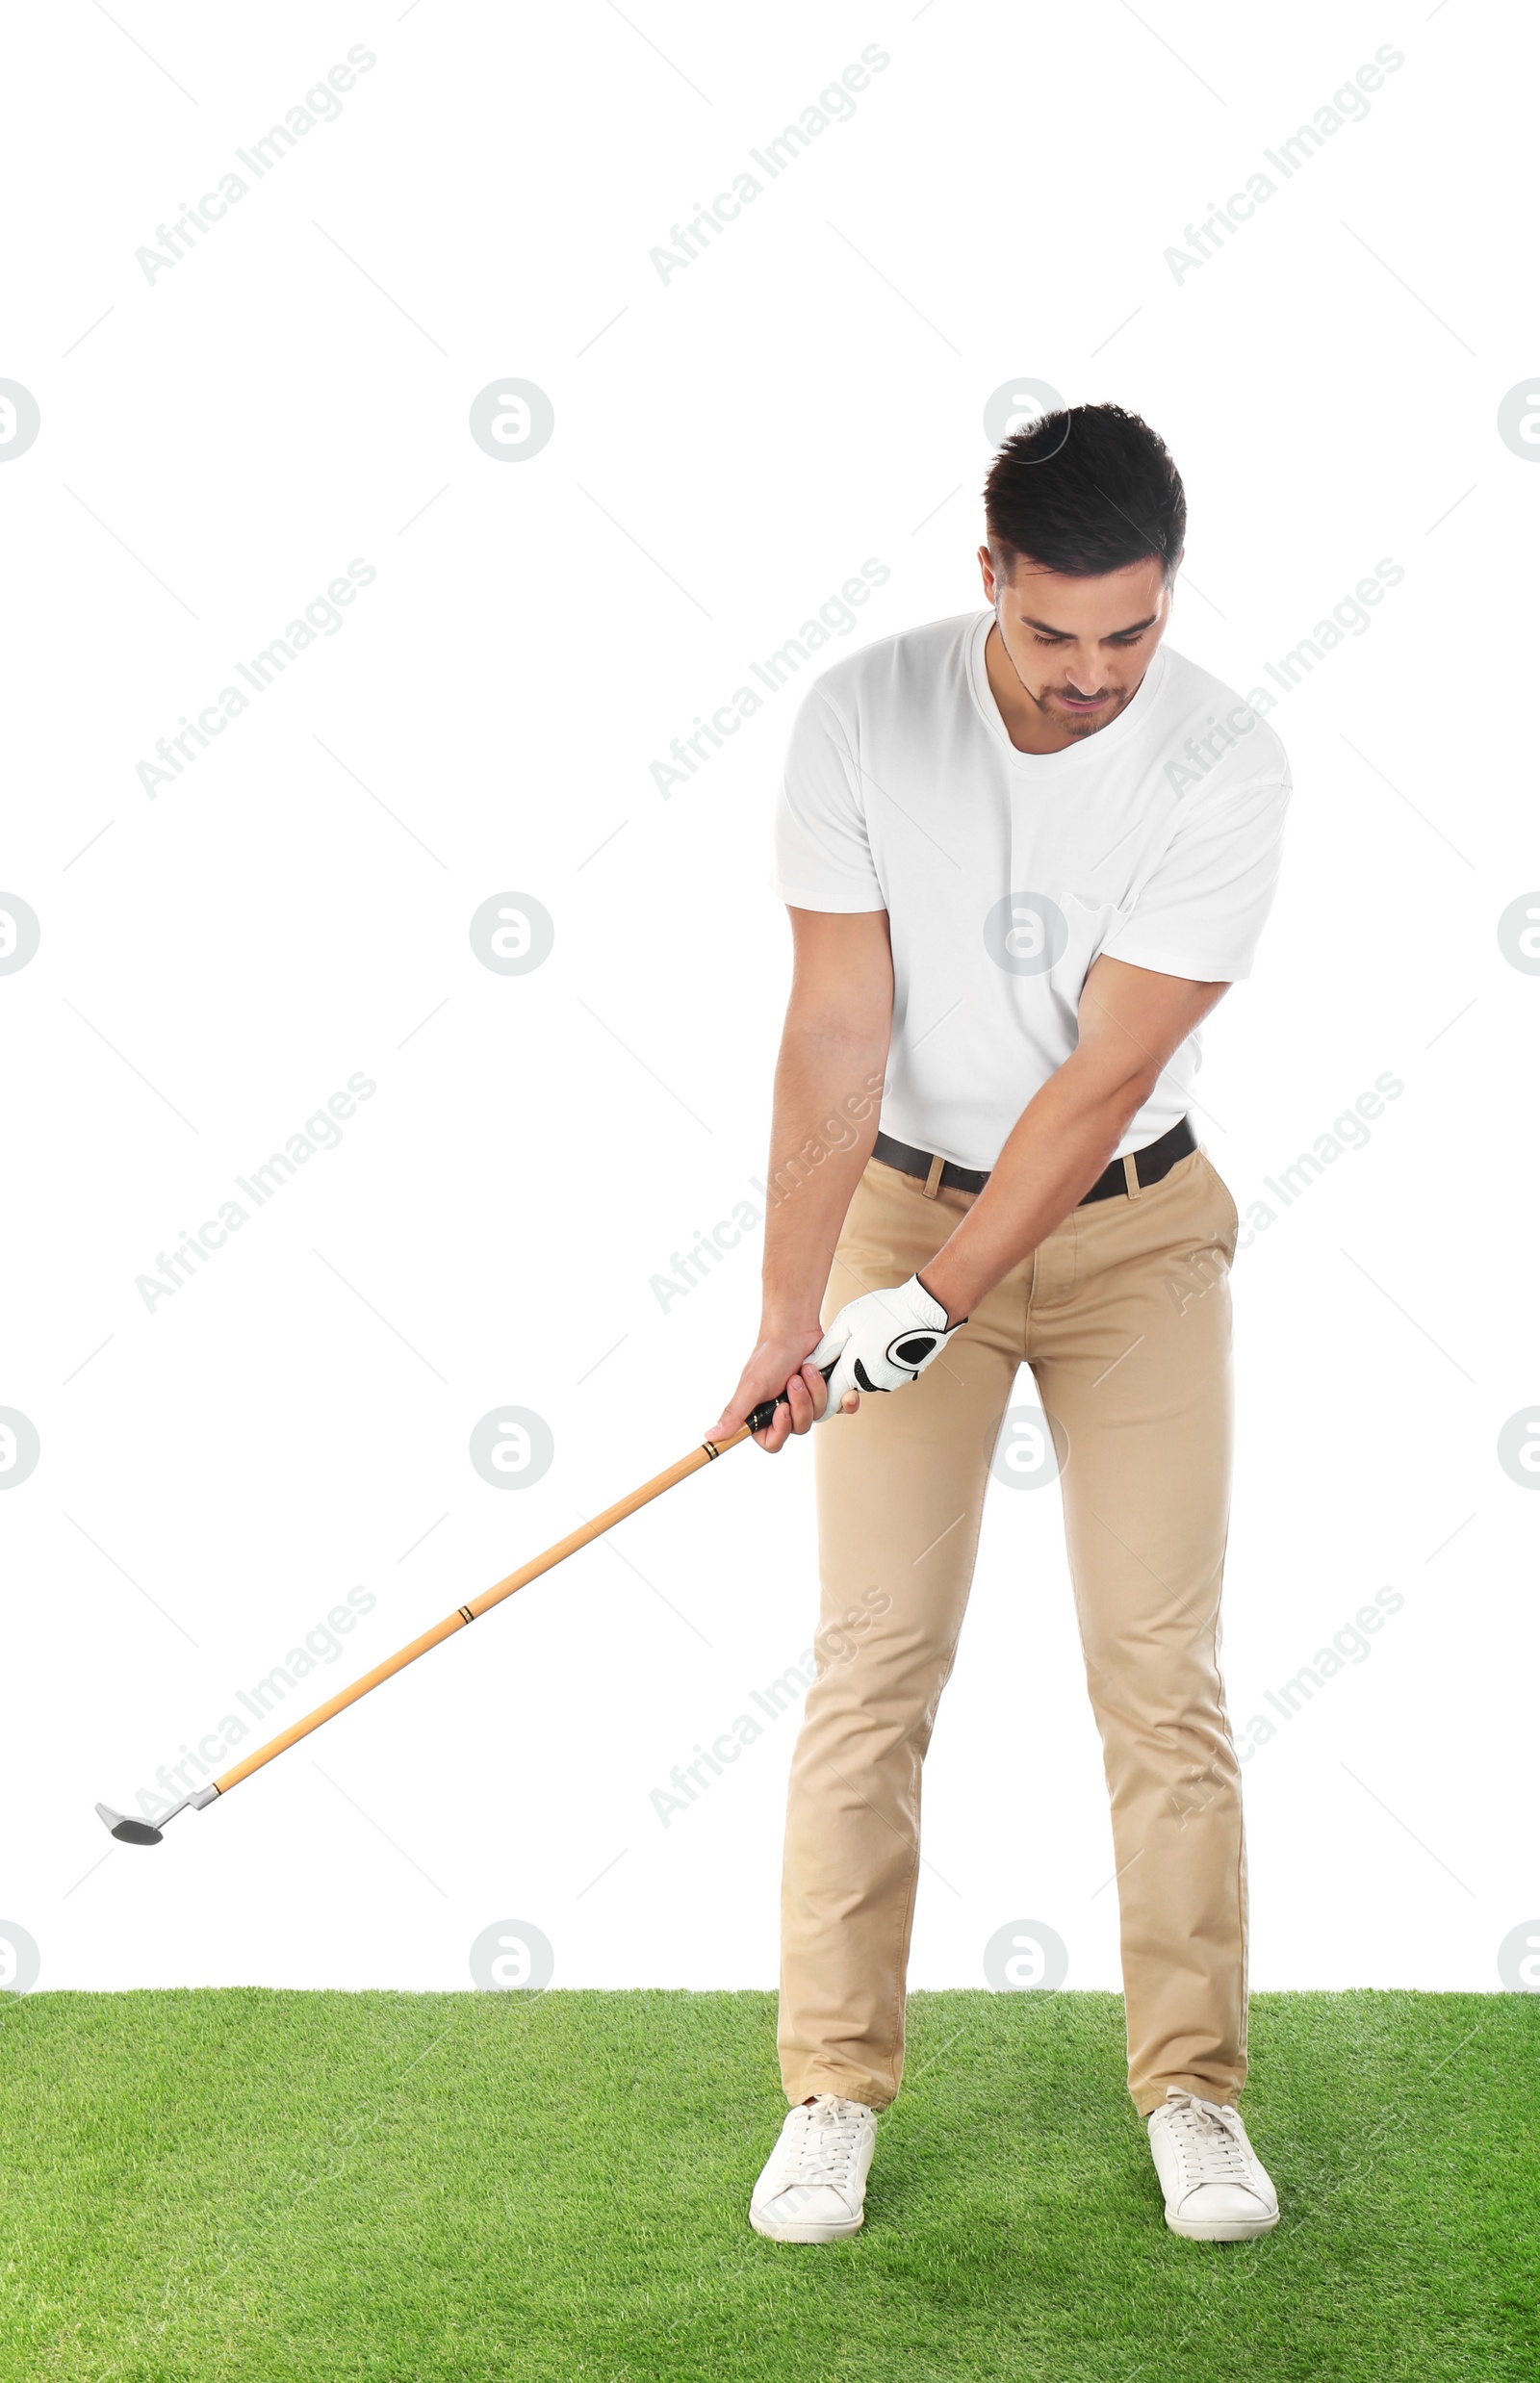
(464, 1615)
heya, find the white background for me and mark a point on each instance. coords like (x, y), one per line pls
(730, 444)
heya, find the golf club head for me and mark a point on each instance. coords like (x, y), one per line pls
(128, 1832)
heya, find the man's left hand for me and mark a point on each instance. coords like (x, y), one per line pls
(883, 1341)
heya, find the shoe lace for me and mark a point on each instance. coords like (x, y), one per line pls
(822, 2148)
(1213, 2146)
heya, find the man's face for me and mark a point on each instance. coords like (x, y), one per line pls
(1079, 647)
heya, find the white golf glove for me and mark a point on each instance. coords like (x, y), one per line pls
(883, 1340)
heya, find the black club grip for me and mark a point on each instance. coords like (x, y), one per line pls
(764, 1413)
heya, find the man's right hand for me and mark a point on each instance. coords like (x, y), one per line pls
(780, 1364)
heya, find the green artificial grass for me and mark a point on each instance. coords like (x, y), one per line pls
(217, 2186)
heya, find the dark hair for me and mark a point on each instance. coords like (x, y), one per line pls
(1086, 490)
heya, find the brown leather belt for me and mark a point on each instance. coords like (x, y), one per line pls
(1155, 1160)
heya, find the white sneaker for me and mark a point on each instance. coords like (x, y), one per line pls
(812, 2188)
(1217, 2190)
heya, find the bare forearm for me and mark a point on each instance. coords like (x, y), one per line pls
(823, 1123)
(1055, 1152)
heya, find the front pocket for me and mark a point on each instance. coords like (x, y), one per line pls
(1217, 1180)
(891, 1230)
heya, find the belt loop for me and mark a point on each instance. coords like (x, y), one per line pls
(932, 1180)
(1131, 1174)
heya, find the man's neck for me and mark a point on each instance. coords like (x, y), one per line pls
(1029, 726)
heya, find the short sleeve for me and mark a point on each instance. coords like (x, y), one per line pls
(1201, 911)
(823, 859)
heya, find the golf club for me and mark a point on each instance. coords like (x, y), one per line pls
(131, 1831)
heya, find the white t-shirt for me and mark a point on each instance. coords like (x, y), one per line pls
(1004, 874)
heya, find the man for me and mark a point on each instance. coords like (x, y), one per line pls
(1024, 852)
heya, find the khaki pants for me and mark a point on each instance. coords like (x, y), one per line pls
(1124, 1315)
